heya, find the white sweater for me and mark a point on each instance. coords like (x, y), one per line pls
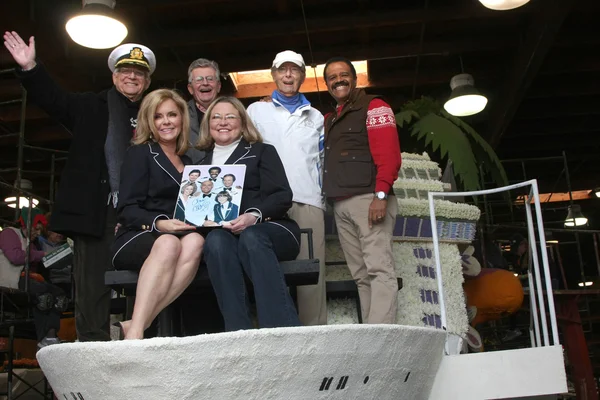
(298, 138)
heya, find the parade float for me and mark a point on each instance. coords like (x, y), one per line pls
(416, 359)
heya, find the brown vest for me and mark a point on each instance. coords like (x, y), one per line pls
(349, 169)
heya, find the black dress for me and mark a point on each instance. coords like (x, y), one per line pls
(148, 191)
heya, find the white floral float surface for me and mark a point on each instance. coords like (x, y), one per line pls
(387, 362)
(418, 300)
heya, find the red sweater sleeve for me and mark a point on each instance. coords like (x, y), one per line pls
(383, 143)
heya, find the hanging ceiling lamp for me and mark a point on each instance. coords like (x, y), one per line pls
(596, 192)
(96, 26)
(503, 5)
(465, 99)
(575, 217)
(22, 201)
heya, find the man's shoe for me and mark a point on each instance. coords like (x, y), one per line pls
(48, 341)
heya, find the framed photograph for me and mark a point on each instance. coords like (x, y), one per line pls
(210, 196)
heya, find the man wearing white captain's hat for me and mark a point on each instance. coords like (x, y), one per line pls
(102, 125)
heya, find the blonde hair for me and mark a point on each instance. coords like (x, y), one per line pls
(146, 129)
(249, 131)
(193, 185)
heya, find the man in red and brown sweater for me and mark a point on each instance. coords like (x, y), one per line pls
(362, 159)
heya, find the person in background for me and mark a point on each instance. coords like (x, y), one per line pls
(50, 299)
(62, 277)
(166, 251)
(295, 129)
(102, 125)
(262, 235)
(204, 84)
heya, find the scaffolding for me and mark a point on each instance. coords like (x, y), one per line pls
(7, 295)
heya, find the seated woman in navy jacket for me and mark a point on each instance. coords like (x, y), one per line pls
(262, 235)
(166, 251)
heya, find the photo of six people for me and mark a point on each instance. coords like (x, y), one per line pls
(210, 197)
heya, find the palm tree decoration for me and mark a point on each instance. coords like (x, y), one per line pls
(427, 121)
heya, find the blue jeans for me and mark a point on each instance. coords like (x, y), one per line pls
(257, 252)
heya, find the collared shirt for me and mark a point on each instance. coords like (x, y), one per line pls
(298, 138)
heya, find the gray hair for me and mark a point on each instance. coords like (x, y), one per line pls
(203, 63)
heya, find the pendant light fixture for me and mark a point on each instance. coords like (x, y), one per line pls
(465, 99)
(22, 202)
(575, 217)
(503, 5)
(96, 26)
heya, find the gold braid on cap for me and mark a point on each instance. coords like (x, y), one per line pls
(136, 57)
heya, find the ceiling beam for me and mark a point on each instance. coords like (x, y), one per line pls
(538, 41)
(328, 23)
(558, 108)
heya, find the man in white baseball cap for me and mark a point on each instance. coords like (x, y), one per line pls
(102, 125)
(295, 129)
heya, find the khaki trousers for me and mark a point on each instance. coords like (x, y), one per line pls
(369, 256)
(312, 300)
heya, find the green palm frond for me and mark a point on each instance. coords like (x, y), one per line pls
(428, 122)
(441, 134)
(484, 153)
(405, 117)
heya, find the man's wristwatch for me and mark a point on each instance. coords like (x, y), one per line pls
(381, 195)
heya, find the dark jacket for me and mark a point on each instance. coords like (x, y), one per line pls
(349, 169)
(81, 199)
(266, 188)
(231, 213)
(149, 188)
(192, 152)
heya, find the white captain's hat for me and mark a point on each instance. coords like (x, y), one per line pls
(132, 54)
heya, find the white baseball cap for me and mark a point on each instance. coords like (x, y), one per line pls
(288, 56)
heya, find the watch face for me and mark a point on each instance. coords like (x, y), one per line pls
(380, 195)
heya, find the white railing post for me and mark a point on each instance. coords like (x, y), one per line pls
(545, 264)
(534, 280)
(536, 268)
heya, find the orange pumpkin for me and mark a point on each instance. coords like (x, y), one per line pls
(495, 292)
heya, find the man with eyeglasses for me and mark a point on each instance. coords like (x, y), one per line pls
(295, 129)
(102, 126)
(204, 84)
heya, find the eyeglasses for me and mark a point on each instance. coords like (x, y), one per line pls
(200, 79)
(227, 117)
(128, 71)
(295, 70)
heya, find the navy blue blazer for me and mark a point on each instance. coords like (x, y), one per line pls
(149, 188)
(266, 188)
(230, 215)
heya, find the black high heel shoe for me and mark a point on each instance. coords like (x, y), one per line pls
(119, 325)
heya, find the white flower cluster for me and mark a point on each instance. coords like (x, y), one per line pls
(443, 209)
(338, 273)
(333, 250)
(411, 309)
(341, 311)
(420, 164)
(419, 184)
(414, 156)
